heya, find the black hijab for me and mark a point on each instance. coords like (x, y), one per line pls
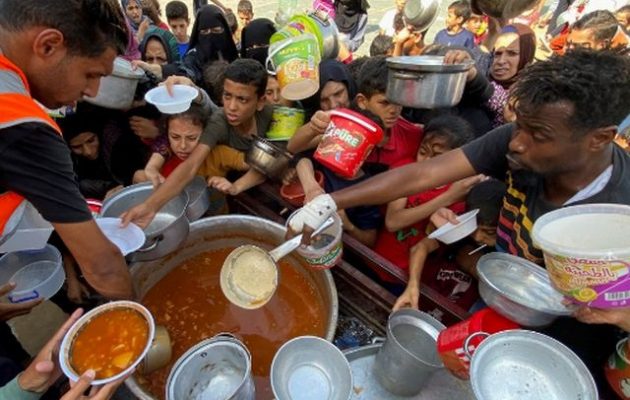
(348, 13)
(255, 39)
(212, 46)
(330, 70)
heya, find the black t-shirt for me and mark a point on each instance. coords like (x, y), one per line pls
(523, 203)
(35, 163)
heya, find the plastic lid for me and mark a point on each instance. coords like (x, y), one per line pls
(128, 239)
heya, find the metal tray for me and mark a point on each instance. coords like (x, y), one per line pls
(441, 386)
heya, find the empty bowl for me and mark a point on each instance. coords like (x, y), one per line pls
(179, 102)
(449, 233)
(127, 239)
(310, 368)
(36, 273)
(519, 290)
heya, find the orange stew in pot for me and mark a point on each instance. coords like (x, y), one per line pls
(110, 342)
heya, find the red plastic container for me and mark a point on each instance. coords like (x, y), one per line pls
(349, 139)
(293, 193)
(450, 343)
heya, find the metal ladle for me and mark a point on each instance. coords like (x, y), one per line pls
(249, 275)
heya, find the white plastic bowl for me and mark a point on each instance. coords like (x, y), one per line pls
(128, 239)
(449, 233)
(37, 273)
(180, 101)
(66, 344)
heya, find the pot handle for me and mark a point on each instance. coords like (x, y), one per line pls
(378, 340)
(408, 77)
(152, 246)
(269, 60)
(321, 14)
(469, 338)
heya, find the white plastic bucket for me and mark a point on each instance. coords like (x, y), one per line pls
(326, 249)
(587, 252)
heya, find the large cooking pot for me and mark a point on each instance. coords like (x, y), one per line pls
(420, 13)
(218, 232)
(165, 233)
(118, 89)
(502, 8)
(425, 81)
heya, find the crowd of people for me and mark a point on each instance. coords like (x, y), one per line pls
(540, 126)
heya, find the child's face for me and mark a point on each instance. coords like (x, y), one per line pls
(240, 102)
(473, 24)
(134, 11)
(85, 145)
(485, 234)
(272, 93)
(432, 146)
(452, 20)
(378, 104)
(245, 17)
(183, 136)
(179, 27)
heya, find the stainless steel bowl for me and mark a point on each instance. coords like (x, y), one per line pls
(525, 365)
(502, 8)
(267, 158)
(168, 229)
(519, 290)
(421, 13)
(425, 82)
(309, 367)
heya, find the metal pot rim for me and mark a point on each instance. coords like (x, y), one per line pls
(426, 64)
(269, 148)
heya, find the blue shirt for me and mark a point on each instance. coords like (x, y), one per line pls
(183, 48)
(465, 38)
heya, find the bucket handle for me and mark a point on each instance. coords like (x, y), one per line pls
(469, 338)
(408, 77)
(275, 51)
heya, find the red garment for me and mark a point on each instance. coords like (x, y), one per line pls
(449, 280)
(402, 145)
(395, 246)
(170, 165)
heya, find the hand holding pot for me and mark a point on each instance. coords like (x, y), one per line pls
(152, 68)
(614, 316)
(409, 298)
(319, 121)
(460, 57)
(141, 215)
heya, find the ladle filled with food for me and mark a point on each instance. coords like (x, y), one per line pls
(249, 276)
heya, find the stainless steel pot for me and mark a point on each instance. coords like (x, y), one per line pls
(330, 33)
(165, 233)
(425, 82)
(212, 233)
(502, 8)
(118, 89)
(216, 368)
(420, 13)
(519, 364)
(198, 198)
(267, 158)
(409, 356)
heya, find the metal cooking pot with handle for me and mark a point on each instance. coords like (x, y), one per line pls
(267, 158)
(329, 31)
(168, 229)
(118, 89)
(425, 81)
(421, 13)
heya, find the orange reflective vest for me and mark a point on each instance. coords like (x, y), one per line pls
(16, 107)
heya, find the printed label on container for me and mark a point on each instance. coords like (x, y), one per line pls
(598, 283)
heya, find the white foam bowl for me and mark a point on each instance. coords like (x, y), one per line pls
(179, 102)
(68, 340)
(449, 233)
(127, 239)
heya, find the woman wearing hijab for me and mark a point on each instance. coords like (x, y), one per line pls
(336, 90)
(159, 47)
(136, 18)
(255, 39)
(513, 50)
(351, 19)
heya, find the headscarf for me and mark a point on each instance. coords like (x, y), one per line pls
(168, 40)
(330, 70)
(348, 13)
(255, 39)
(213, 46)
(527, 49)
(133, 25)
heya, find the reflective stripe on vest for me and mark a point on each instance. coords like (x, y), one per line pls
(16, 107)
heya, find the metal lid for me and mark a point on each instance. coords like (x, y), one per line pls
(427, 64)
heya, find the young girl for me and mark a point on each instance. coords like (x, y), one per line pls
(184, 132)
